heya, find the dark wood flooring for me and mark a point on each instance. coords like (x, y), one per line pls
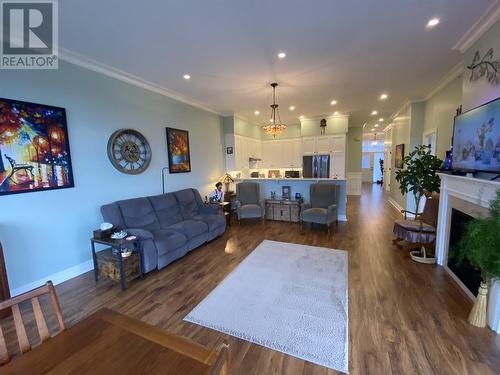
(404, 318)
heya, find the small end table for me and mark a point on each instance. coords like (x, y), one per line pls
(110, 263)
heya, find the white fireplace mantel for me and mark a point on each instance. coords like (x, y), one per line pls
(478, 192)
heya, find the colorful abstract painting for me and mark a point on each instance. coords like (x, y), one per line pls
(178, 151)
(34, 148)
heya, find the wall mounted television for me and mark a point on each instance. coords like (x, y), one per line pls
(476, 139)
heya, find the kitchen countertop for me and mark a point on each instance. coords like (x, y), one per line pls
(290, 179)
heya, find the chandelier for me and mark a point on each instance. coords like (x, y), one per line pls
(274, 127)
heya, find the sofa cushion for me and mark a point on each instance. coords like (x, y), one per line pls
(167, 240)
(187, 203)
(139, 213)
(213, 221)
(315, 215)
(167, 209)
(190, 228)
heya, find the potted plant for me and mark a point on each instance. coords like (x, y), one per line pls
(480, 246)
(419, 178)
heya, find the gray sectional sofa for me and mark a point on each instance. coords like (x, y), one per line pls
(167, 225)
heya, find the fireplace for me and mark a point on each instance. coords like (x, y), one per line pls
(469, 275)
(464, 198)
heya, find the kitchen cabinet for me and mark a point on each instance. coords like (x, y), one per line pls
(323, 144)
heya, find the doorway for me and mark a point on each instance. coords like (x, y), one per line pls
(372, 167)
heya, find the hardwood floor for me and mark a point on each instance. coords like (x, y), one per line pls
(404, 318)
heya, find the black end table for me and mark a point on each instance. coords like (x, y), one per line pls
(112, 258)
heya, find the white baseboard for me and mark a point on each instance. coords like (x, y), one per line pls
(56, 278)
(396, 205)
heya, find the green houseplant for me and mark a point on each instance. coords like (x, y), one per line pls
(480, 245)
(419, 174)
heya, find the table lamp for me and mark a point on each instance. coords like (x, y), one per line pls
(226, 179)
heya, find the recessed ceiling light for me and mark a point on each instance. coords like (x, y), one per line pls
(373, 129)
(381, 119)
(333, 102)
(384, 96)
(432, 22)
(187, 77)
(374, 113)
(270, 120)
(292, 108)
(335, 113)
(257, 112)
(281, 55)
(376, 125)
(301, 117)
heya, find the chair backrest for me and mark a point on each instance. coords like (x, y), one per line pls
(10, 160)
(323, 195)
(248, 192)
(431, 208)
(43, 331)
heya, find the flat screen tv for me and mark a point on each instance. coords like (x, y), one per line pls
(476, 139)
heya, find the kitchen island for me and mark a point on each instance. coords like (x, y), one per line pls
(301, 185)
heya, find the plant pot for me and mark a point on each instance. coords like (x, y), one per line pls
(477, 316)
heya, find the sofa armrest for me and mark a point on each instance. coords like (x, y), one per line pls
(141, 234)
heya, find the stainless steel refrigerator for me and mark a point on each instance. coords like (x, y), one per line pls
(316, 166)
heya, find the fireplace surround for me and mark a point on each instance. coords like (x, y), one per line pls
(470, 196)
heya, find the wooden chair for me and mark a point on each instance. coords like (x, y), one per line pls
(421, 232)
(43, 331)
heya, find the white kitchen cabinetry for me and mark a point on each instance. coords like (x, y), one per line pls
(282, 153)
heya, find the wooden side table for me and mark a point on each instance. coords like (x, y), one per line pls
(110, 263)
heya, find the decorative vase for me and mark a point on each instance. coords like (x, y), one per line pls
(477, 316)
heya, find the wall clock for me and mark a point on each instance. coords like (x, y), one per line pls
(129, 151)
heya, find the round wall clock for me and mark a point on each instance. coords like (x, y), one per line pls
(129, 151)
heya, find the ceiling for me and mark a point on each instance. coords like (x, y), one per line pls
(350, 51)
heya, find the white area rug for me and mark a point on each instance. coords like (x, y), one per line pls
(287, 297)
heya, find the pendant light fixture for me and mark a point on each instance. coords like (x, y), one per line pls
(275, 126)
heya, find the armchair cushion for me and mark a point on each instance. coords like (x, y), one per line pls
(250, 210)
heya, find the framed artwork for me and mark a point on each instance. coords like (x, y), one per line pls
(285, 192)
(179, 159)
(34, 148)
(400, 154)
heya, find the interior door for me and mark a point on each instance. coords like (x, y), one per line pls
(387, 167)
(367, 167)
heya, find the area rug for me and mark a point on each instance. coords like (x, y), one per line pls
(287, 297)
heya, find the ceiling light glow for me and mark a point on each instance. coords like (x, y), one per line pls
(292, 108)
(432, 22)
(381, 119)
(187, 77)
(333, 102)
(374, 113)
(384, 96)
(281, 55)
(257, 113)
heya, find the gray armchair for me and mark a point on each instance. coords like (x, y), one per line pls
(323, 206)
(248, 202)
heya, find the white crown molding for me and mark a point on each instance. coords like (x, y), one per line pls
(327, 117)
(455, 72)
(87, 63)
(400, 109)
(482, 25)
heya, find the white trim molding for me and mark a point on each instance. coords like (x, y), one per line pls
(107, 70)
(488, 19)
(396, 205)
(56, 278)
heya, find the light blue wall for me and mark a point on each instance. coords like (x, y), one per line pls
(246, 128)
(46, 232)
